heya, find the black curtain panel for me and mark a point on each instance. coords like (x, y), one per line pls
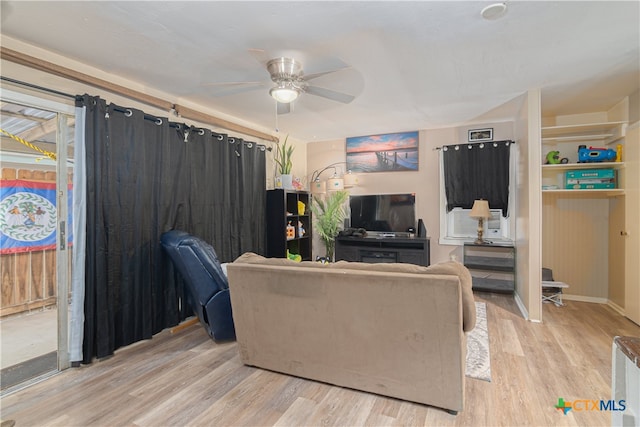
(146, 176)
(477, 171)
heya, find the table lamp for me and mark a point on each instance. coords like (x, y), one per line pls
(480, 211)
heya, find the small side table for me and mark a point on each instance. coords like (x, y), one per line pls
(492, 266)
(625, 380)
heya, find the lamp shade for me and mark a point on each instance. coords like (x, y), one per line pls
(480, 209)
(318, 187)
(335, 184)
(350, 179)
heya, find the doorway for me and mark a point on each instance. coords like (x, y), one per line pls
(36, 148)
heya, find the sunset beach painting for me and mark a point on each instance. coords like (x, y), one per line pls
(383, 153)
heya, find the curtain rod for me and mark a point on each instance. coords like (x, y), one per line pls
(473, 143)
(40, 88)
(157, 120)
(187, 113)
(127, 112)
(119, 109)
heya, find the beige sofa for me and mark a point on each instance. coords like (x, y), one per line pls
(393, 329)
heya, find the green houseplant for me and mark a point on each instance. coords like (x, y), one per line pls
(283, 157)
(329, 214)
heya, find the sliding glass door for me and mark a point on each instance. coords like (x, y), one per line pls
(36, 148)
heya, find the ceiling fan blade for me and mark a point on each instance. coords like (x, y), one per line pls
(232, 83)
(284, 108)
(330, 94)
(260, 55)
(318, 64)
(232, 88)
(323, 73)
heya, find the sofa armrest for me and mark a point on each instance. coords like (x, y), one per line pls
(468, 301)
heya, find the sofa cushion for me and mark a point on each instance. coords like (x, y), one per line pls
(447, 268)
(451, 268)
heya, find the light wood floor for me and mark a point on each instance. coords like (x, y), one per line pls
(187, 379)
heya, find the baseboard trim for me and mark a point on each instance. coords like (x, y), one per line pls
(583, 298)
(521, 306)
(616, 308)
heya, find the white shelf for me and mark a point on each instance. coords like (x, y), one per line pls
(574, 138)
(608, 192)
(607, 132)
(599, 133)
(593, 165)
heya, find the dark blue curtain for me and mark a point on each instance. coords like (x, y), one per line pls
(477, 171)
(146, 176)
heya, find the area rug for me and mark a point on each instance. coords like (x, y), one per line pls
(478, 360)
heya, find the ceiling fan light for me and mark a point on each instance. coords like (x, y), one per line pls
(494, 11)
(284, 94)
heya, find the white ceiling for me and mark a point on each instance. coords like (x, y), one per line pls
(412, 65)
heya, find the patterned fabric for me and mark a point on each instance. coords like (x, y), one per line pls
(478, 360)
(28, 216)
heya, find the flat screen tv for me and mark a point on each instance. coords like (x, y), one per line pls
(384, 213)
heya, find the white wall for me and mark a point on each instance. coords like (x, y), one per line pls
(425, 182)
(528, 208)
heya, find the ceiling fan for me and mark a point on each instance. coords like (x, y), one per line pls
(289, 82)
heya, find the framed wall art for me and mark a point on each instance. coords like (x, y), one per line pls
(479, 135)
(383, 153)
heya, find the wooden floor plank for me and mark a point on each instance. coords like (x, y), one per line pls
(188, 379)
(300, 408)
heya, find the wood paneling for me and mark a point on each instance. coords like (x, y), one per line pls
(22, 277)
(7, 262)
(8, 173)
(576, 243)
(50, 278)
(37, 276)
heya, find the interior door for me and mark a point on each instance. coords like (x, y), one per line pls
(631, 232)
(617, 243)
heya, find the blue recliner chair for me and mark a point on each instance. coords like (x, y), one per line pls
(198, 264)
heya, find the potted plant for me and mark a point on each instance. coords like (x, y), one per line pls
(329, 215)
(283, 159)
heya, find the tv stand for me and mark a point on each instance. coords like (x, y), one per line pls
(376, 249)
(387, 235)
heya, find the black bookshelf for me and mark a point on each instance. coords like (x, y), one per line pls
(282, 212)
